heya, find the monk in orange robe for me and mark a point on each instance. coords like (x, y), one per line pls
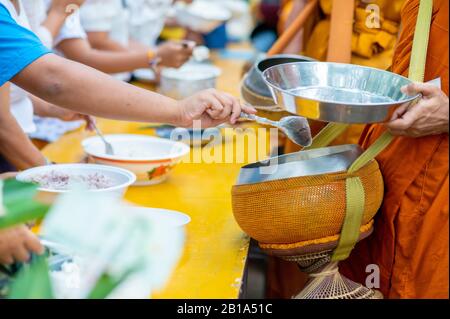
(410, 241)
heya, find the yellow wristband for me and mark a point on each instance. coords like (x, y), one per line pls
(151, 54)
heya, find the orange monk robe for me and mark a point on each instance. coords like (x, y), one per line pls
(410, 241)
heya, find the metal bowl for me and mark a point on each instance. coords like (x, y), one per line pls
(305, 163)
(254, 79)
(335, 92)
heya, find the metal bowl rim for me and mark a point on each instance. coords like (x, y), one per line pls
(273, 86)
(280, 56)
(323, 152)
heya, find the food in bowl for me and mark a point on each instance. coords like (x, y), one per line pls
(64, 181)
(61, 178)
(150, 158)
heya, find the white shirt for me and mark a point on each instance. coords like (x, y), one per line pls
(37, 13)
(147, 18)
(107, 16)
(21, 105)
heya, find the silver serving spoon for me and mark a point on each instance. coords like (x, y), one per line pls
(108, 147)
(296, 128)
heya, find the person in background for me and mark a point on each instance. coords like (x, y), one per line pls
(72, 42)
(16, 243)
(16, 153)
(22, 106)
(108, 24)
(266, 15)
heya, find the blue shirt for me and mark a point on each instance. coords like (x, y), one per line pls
(19, 47)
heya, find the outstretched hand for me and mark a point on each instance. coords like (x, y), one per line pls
(212, 108)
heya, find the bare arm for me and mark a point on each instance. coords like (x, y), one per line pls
(106, 61)
(54, 22)
(45, 109)
(102, 41)
(82, 89)
(58, 13)
(15, 145)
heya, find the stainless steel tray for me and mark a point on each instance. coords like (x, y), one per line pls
(336, 92)
(325, 160)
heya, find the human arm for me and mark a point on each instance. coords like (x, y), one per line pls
(82, 89)
(102, 41)
(169, 54)
(15, 146)
(106, 61)
(45, 109)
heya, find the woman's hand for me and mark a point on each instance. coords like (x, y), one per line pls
(211, 108)
(427, 117)
(16, 245)
(174, 54)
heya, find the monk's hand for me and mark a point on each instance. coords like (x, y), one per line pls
(429, 116)
(211, 108)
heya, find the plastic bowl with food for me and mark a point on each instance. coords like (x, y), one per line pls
(150, 158)
(56, 179)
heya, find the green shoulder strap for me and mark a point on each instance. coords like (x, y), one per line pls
(327, 135)
(355, 191)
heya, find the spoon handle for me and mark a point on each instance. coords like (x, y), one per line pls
(108, 147)
(258, 119)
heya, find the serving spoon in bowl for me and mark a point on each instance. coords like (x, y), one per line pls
(296, 128)
(108, 147)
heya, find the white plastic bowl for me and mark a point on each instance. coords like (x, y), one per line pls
(150, 158)
(202, 16)
(122, 178)
(165, 217)
(188, 80)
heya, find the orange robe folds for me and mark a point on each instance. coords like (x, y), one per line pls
(410, 241)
